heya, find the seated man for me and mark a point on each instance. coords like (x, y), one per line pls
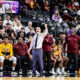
(21, 52)
(6, 53)
(58, 57)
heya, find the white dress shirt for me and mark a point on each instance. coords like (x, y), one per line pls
(27, 29)
(17, 28)
(6, 21)
(39, 41)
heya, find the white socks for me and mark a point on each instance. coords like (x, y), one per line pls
(13, 68)
(1, 68)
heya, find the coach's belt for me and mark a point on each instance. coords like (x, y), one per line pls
(37, 48)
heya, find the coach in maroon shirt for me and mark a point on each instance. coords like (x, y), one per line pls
(21, 50)
(72, 42)
(47, 45)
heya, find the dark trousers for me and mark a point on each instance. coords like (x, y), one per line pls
(37, 55)
(47, 61)
(73, 56)
(22, 59)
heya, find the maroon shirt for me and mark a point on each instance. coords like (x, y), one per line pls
(28, 45)
(47, 45)
(72, 43)
(20, 49)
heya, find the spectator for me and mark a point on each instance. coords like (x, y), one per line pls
(27, 29)
(75, 21)
(1, 22)
(76, 3)
(31, 33)
(7, 21)
(56, 16)
(21, 35)
(47, 6)
(55, 8)
(18, 27)
(65, 16)
(78, 32)
(21, 31)
(12, 36)
(15, 21)
(2, 33)
(9, 29)
(72, 27)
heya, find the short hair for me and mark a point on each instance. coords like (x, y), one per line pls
(8, 24)
(22, 28)
(15, 16)
(31, 28)
(6, 37)
(20, 37)
(29, 22)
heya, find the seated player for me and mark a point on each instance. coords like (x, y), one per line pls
(56, 57)
(6, 53)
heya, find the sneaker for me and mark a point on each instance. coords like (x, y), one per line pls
(13, 73)
(30, 72)
(20, 71)
(37, 73)
(1, 73)
(63, 72)
(53, 72)
(59, 72)
(76, 73)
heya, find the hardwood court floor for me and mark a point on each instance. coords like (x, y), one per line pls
(39, 78)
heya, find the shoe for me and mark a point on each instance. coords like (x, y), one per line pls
(34, 75)
(13, 73)
(30, 72)
(65, 73)
(76, 73)
(1, 73)
(58, 71)
(37, 73)
(20, 71)
(53, 72)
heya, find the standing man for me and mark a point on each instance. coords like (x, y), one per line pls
(47, 46)
(72, 42)
(37, 52)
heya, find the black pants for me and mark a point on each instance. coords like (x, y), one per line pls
(22, 59)
(73, 56)
(47, 61)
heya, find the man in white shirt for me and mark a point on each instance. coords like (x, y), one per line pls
(7, 21)
(37, 52)
(27, 29)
